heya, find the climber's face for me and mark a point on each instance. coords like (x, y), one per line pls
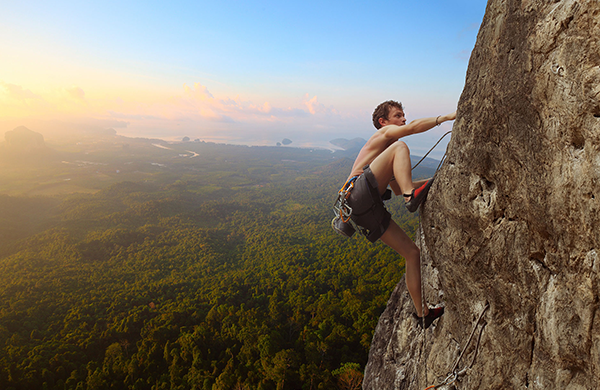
(395, 117)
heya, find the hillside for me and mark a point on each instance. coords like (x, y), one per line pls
(184, 266)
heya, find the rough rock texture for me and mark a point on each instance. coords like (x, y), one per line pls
(513, 216)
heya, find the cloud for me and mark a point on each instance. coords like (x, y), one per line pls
(199, 103)
(121, 115)
(199, 92)
(76, 93)
(17, 92)
(266, 108)
(316, 108)
(312, 105)
(289, 113)
(18, 101)
(191, 110)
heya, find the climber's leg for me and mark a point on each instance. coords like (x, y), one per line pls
(397, 239)
(395, 162)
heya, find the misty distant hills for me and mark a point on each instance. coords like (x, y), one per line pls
(23, 138)
(426, 163)
(22, 143)
(349, 145)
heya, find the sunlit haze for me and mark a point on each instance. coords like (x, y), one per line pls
(227, 71)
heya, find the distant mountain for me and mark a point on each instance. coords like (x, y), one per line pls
(23, 145)
(100, 131)
(353, 144)
(426, 163)
(21, 138)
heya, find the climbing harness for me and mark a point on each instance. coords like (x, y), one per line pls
(342, 223)
(455, 373)
(341, 207)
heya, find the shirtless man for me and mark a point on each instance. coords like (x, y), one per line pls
(383, 161)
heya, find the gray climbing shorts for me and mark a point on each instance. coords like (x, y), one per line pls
(368, 210)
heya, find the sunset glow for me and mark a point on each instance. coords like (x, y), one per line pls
(244, 73)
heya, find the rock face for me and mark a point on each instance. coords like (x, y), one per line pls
(512, 219)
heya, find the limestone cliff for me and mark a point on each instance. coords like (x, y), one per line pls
(513, 216)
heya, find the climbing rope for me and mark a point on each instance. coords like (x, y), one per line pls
(430, 150)
(454, 373)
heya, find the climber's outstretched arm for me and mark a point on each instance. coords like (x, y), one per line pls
(415, 127)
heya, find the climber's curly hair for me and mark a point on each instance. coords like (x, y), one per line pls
(383, 110)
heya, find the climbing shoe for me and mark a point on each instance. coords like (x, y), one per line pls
(429, 318)
(417, 196)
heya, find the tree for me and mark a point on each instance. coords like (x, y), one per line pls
(349, 376)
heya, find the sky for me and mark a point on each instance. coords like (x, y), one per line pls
(252, 72)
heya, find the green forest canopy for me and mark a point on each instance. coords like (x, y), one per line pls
(127, 265)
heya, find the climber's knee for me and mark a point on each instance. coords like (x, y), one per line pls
(401, 147)
(413, 253)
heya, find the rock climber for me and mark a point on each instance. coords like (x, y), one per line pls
(385, 160)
